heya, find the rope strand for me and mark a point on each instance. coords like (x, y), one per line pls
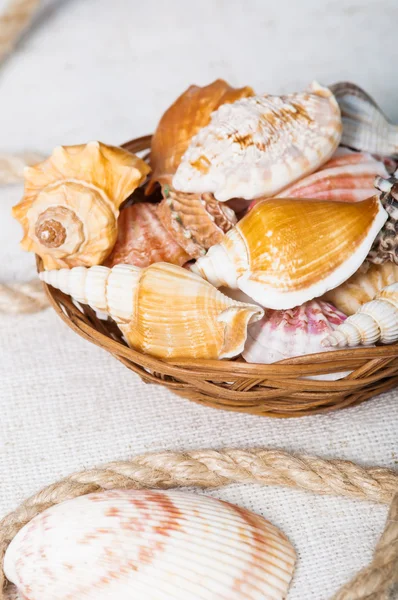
(212, 469)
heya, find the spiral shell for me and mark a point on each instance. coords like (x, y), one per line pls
(163, 310)
(385, 246)
(375, 321)
(149, 545)
(257, 146)
(195, 221)
(185, 117)
(362, 287)
(285, 252)
(71, 203)
(143, 240)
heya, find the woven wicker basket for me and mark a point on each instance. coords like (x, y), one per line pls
(277, 390)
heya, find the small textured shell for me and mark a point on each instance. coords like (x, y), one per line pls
(375, 321)
(365, 127)
(143, 240)
(385, 246)
(163, 310)
(185, 117)
(258, 146)
(362, 287)
(195, 221)
(285, 252)
(71, 203)
(149, 545)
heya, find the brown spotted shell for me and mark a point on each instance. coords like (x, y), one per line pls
(185, 117)
(196, 221)
(71, 203)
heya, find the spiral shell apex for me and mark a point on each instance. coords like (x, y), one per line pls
(71, 203)
(375, 321)
(162, 310)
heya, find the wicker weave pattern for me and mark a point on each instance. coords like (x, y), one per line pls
(276, 390)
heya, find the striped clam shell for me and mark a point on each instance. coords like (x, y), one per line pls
(150, 545)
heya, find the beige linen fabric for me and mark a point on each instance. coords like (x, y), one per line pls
(95, 72)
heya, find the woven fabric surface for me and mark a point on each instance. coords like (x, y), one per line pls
(88, 73)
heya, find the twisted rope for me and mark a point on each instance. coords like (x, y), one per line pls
(12, 165)
(13, 22)
(17, 298)
(212, 469)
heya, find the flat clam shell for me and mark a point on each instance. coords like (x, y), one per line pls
(143, 240)
(155, 545)
(259, 145)
(365, 127)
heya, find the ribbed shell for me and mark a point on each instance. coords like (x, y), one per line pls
(163, 310)
(149, 545)
(195, 221)
(143, 240)
(71, 203)
(385, 246)
(298, 331)
(375, 321)
(362, 287)
(365, 127)
(259, 145)
(185, 117)
(285, 252)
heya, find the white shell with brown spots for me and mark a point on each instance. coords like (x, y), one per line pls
(136, 544)
(257, 146)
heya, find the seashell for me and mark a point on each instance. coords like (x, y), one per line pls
(362, 287)
(143, 240)
(189, 113)
(365, 127)
(285, 252)
(347, 177)
(298, 331)
(196, 221)
(162, 310)
(152, 545)
(375, 321)
(385, 246)
(259, 145)
(71, 203)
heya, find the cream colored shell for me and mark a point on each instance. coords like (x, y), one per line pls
(149, 545)
(362, 287)
(375, 321)
(285, 252)
(71, 203)
(162, 310)
(259, 145)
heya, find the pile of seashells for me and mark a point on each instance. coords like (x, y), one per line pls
(286, 203)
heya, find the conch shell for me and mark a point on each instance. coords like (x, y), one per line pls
(142, 239)
(189, 113)
(196, 221)
(147, 545)
(363, 286)
(71, 204)
(259, 145)
(375, 321)
(285, 252)
(385, 247)
(163, 310)
(365, 127)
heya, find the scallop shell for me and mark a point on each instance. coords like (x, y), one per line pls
(259, 145)
(362, 287)
(143, 240)
(152, 545)
(298, 331)
(365, 127)
(71, 204)
(285, 252)
(196, 221)
(189, 113)
(385, 247)
(375, 321)
(163, 310)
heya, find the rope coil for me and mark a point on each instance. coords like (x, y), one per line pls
(212, 469)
